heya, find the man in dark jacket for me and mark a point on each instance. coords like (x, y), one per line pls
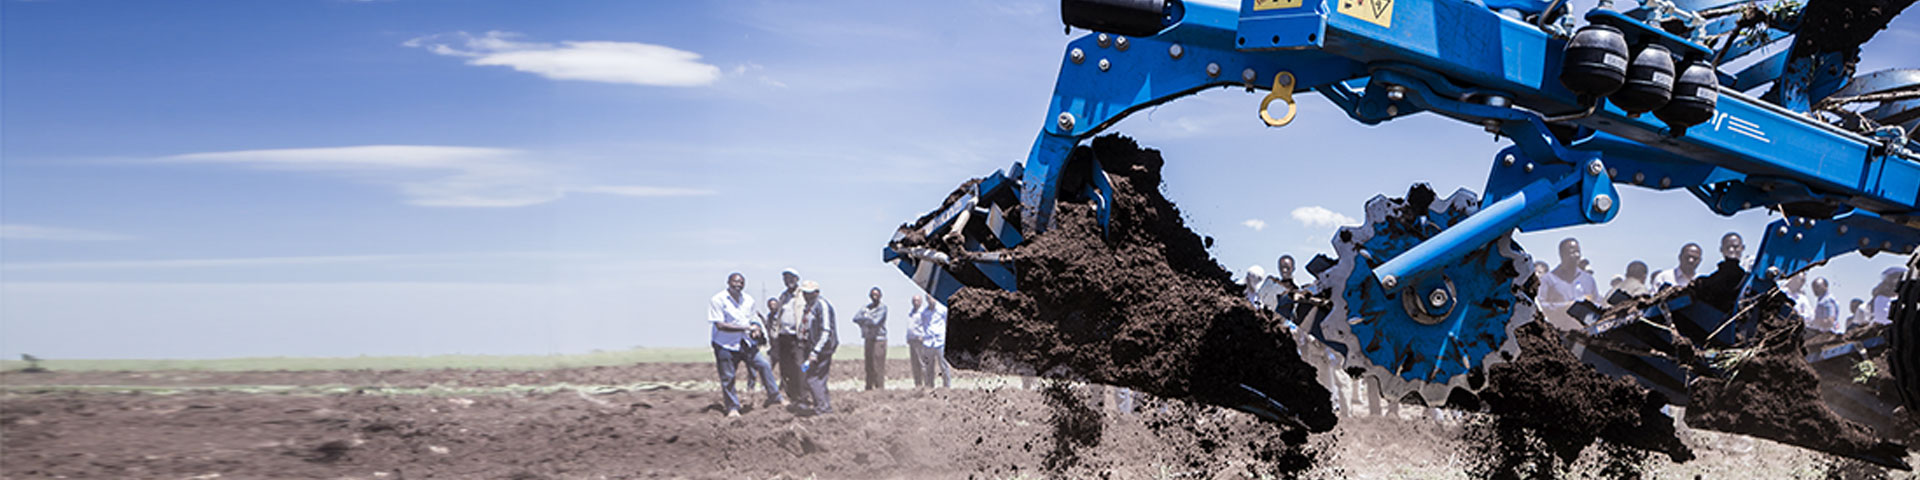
(819, 337)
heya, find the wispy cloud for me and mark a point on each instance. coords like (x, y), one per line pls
(1321, 217)
(435, 175)
(591, 61)
(16, 231)
(256, 262)
(1255, 224)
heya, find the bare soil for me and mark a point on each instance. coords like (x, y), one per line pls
(992, 428)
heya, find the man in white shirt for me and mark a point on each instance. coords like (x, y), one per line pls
(731, 314)
(930, 321)
(1565, 285)
(1826, 311)
(1682, 274)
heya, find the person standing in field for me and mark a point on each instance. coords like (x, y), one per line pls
(872, 320)
(787, 348)
(915, 336)
(1565, 285)
(730, 314)
(931, 321)
(820, 337)
(1682, 274)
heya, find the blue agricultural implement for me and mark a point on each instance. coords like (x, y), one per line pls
(1426, 293)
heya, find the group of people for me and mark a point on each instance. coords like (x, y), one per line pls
(799, 327)
(1572, 281)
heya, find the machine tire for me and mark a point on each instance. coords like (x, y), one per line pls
(1904, 337)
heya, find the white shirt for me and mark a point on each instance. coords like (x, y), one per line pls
(722, 309)
(1826, 317)
(931, 323)
(1802, 304)
(1878, 310)
(1665, 279)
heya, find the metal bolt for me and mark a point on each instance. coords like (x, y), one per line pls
(1393, 110)
(1213, 69)
(1783, 229)
(1103, 40)
(1666, 182)
(1773, 272)
(1247, 75)
(1529, 167)
(1497, 101)
(1507, 160)
(1390, 281)
(1437, 298)
(1176, 51)
(1864, 242)
(1640, 178)
(1077, 56)
(1595, 167)
(1104, 65)
(1843, 229)
(1396, 93)
(1886, 245)
(1746, 205)
(1602, 203)
(1492, 125)
(1613, 172)
(1799, 236)
(1121, 44)
(1066, 122)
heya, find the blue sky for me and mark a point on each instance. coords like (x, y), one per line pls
(220, 179)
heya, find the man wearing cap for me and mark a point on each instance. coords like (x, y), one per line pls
(787, 350)
(820, 337)
(872, 320)
(730, 313)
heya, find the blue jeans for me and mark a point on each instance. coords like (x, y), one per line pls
(725, 360)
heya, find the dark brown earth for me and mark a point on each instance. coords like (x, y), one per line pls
(1775, 394)
(1548, 407)
(1141, 305)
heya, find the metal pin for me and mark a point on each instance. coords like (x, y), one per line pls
(1783, 229)
(1121, 43)
(1077, 56)
(1103, 40)
(1640, 178)
(1507, 159)
(1066, 122)
(1176, 51)
(1390, 282)
(1213, 69)
(1247, 75)
(1104, 65)
(1529, 167)
(1393, 110)
(1666, 182)
(1595, 167)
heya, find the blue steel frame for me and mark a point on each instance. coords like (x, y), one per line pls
(1461, 60)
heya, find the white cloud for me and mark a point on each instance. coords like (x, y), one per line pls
(1318, 216)
(593, 61)
(434, 175)
(16, 231)
(1255, 224)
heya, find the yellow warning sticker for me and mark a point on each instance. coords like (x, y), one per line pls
(1379, 12)
(1275, 4)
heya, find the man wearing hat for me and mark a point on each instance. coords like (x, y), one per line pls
(820, 337)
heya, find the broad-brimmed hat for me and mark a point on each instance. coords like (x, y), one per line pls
(809, 286)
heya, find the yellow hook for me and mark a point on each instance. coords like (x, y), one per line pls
(1283, 90)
